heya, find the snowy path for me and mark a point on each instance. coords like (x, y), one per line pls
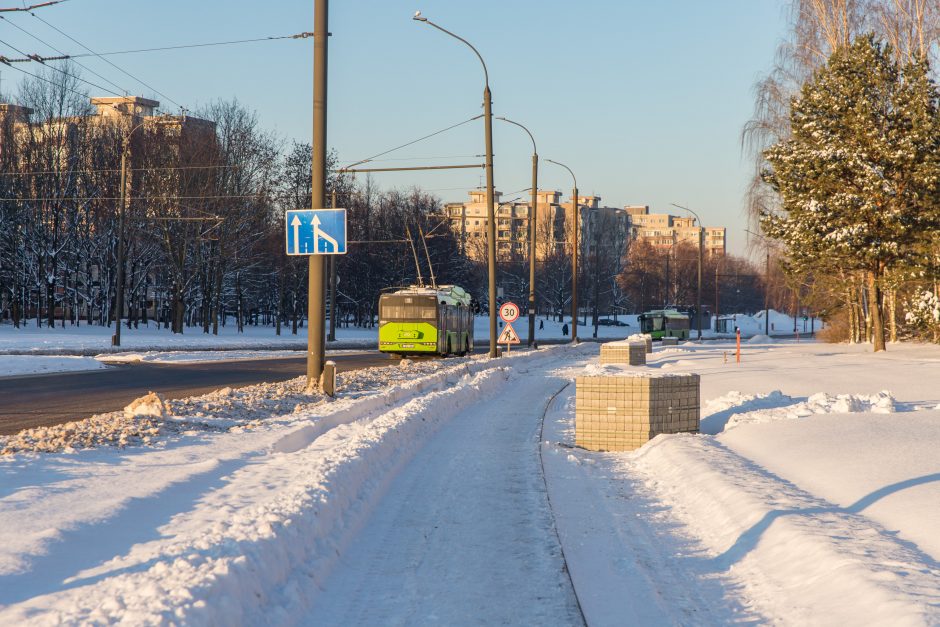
(627, 567)
(464, 534)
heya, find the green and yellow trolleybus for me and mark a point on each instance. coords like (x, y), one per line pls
(662, 323)
(426, 320)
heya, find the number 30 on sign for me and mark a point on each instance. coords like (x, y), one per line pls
(509, 312)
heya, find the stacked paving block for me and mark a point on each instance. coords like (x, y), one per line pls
(645, 338)
(621, 410)
(670, 341)
(624, 352)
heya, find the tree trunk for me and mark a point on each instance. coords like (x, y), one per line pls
(874, 308)
(892, 298)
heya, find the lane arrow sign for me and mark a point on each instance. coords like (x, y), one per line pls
(296, 224)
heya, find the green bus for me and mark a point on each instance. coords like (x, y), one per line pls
(421, 320)
(661, 323)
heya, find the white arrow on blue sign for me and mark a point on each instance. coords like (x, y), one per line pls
(316, 231)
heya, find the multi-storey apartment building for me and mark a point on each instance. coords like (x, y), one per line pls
(663, 230)
(599, 226)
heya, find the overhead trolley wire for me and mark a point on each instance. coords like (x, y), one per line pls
(64, 56)
(102, 170)
(420, 139)
(93, 53)
(52, 82)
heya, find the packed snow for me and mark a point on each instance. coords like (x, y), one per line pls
(451, 491)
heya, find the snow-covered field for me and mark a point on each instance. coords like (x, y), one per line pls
(417, 496)
(33, 350)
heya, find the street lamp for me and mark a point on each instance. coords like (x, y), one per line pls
(490, 209)
(698, 292)
(574, 255)
(533, 214)
(119, 304)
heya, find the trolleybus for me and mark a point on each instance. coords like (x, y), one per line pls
(662, 323)
(421, 320)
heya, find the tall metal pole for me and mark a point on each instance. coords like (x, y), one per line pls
(490, 195)
(119, 304)
(766, 300)
(574, 268)
(698, 291)
(315, 303)
(533, 217)
(574, 254)
(490, 217)
(331, 337)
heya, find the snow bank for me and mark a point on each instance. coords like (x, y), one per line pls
(796, 557)
(252, 549)
(17, 365)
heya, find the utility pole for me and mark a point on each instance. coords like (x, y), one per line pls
(331, 337)
(119, 303)
(766, 297)
(316, 351)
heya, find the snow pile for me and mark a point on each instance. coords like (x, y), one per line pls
(820, 403)
(115, 429)
(150, 405)
(760, 339)
(222, 410)
(17, 365)
(798, 558)
(622, 370)
(672, 351)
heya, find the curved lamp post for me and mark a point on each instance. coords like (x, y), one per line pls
(574, 255)
(701, 236)
(490, 209)
(119, 304)
(533, 214)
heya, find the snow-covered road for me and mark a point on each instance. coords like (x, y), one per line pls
(465, 533)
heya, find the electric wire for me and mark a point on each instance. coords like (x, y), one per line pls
(187, 46)
(32, 6)
(48, 45)
(150, 87)
(103, 170)
(420, 139)
(60, 85)
(150, 198)
(55, 69)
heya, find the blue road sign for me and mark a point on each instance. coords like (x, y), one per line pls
(316, 232)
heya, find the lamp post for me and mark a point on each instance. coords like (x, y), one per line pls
(533, 215)
(574, 255)
(698, 291)
(119, 303)
(490, 209)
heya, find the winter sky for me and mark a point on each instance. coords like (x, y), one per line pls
(643, 100)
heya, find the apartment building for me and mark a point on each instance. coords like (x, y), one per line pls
(663, 230)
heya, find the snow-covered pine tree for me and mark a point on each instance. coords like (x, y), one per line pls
(859, 179)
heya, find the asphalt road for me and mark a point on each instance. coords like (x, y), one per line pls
(49, 399)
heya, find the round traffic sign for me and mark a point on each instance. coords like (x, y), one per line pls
(509, 312)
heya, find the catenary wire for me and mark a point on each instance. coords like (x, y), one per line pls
(60, 71)
(102, 170)
(123, 71)
(420, 139)
(48, 45)
(186, 46)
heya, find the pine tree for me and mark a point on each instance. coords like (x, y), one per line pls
(859, 179)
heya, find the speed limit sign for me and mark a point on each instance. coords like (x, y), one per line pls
(509, 312)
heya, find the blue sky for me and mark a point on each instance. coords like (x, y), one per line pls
(643, 100)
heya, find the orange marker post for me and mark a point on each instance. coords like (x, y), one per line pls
(738, 333)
